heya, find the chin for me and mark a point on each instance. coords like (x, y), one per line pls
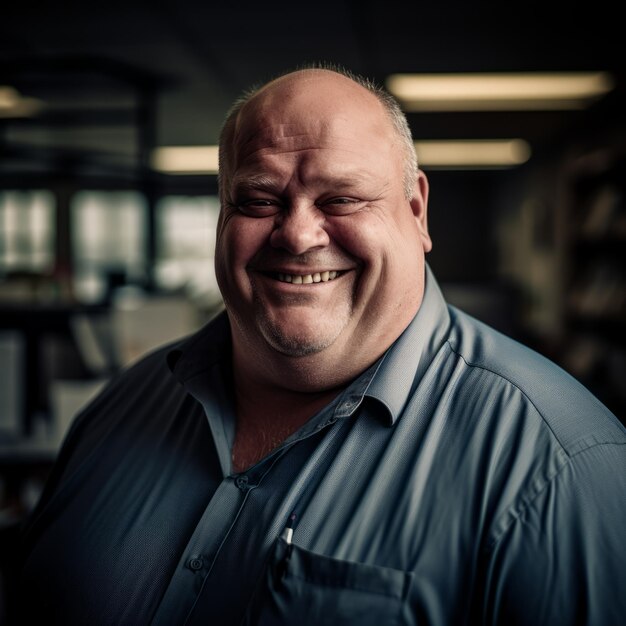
(297, 344)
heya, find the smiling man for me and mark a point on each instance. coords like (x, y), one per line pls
(320, 247)
(339, 446)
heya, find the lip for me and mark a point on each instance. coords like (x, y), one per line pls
(296, 270)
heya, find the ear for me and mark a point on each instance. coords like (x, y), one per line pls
(419, 206)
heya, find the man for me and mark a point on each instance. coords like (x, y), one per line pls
(338, 447)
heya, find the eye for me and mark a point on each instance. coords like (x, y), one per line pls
(341, 205)
(258, 207)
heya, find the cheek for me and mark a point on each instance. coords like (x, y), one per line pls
(389, 254)
(360, 236)
(227, 252)
(238, 241)
(368, 242)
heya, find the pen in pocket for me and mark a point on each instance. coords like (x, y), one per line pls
(287, 536)
(287, 533)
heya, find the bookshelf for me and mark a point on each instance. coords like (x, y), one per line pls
(593, 220)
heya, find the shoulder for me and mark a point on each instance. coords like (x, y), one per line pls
(509, 370)
(552, 453)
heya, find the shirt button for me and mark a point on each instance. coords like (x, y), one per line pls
(241, 482)
(195, 563)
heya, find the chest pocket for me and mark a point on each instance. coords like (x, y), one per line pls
(303, 588)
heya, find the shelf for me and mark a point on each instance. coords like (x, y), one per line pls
(28, 453)
(593, 287)
(607, 244)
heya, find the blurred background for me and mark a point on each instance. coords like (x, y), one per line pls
(109, 116)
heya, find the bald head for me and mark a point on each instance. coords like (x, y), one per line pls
(328, 91)
(332, 97)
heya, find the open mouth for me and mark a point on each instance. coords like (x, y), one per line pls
(307, 279)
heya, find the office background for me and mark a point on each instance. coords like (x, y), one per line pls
(107, 218)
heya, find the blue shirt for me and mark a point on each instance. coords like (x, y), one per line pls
(462, 479)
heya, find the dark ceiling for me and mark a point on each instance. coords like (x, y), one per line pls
(118, 78)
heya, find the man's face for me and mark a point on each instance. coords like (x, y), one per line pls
(318, 250)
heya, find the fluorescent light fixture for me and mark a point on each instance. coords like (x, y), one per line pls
(13, 104)
(499, 91)
(185, 159)
(472, 154)
(462, 153)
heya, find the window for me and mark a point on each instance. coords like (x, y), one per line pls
(109, 239)
(186, 245)
(27, 231)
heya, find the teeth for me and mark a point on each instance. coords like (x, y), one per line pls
(307, 279)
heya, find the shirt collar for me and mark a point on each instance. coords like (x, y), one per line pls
(389, 381)
(402, 367)
(202, 350)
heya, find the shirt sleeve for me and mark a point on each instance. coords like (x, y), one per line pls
(563, 560)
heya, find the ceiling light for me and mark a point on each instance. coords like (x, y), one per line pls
(462, 153)
(185, 159)
(492, 92)
(472, 154)
(13, 104)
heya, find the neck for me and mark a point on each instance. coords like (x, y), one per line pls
(268, 413)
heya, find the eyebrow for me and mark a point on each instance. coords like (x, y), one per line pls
(264, 182)
(258, 182)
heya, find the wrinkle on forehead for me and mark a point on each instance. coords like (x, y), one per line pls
(346, 178)
(313, 134)
(313, 103)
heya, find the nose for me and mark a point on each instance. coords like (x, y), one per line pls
(299, 229)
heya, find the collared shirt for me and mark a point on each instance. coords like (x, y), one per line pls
(462, 479)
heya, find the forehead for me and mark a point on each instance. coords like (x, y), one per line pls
(310, 112)
(284, 137)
